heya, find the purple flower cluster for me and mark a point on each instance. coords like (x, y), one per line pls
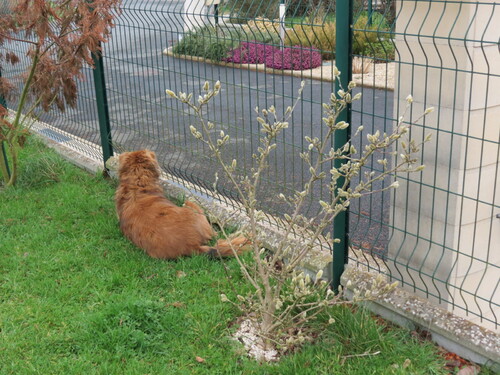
(290, 58)
(250, 53)
(294, 58)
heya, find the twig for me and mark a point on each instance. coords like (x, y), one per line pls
(365, 354)
(6, 36)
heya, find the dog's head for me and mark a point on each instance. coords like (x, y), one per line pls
(140, 165)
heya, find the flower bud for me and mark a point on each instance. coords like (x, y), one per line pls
(319, 275)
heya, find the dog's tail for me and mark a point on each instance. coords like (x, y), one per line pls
(227, 248)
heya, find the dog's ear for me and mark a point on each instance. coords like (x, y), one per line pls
(153, 162)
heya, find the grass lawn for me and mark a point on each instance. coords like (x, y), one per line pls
(78, 298)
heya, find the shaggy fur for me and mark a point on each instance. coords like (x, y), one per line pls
(155, 224)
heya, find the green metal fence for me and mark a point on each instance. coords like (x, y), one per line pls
(438, 234)
(444, 231)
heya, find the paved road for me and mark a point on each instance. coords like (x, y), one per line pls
(137, 74)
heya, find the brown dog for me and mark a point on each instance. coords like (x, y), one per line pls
(155, 224)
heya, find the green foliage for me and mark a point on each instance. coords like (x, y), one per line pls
(205, 43)
(216, 51)
(242, 11)
(314, 34)
(372, 40)
(368, 40)
(215, 44)
(363, 35)
(383, 50)
(379, 20)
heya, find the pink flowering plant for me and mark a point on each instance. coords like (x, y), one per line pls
(251, 53)
(290, 58)
(294, 58)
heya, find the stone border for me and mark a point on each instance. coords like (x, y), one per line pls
(322, 73)
(454, 333)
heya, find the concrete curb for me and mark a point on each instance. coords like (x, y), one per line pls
(56, 139)
(454, 333)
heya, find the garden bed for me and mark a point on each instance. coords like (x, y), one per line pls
(307, 50)
(380, 75)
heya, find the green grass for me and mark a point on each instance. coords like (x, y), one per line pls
(78, 298)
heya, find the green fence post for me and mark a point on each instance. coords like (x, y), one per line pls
(3, 155)
(216, 14)
(370, 11)
(102, 108)
(343, 54)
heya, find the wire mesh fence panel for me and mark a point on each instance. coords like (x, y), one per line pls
(373, 50)
(78, 123)
(441, 229)
(438, 234)
(261, 54)
(177, 46)
(75, 125)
